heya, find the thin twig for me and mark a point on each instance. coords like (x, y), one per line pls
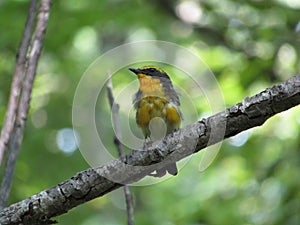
(23, 106)
(17, 80)
(116, 123)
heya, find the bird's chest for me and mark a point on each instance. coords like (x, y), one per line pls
(155, 102)
(150, 107)
(151, 87)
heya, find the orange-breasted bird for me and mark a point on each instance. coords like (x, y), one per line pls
(157, 107)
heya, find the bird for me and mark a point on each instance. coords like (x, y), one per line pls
(157, 106)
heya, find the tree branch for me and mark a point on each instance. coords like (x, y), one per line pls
(17, 80)
(23, 106)
(92, 183)
(116, 122)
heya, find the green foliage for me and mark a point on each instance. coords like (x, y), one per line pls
(248, 45)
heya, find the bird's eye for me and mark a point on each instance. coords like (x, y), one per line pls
(151, 70)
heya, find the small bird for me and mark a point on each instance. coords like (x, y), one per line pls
(157, 107)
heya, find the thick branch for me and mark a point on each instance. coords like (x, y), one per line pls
(92, 183)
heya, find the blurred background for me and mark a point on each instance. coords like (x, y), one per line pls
(249, 45)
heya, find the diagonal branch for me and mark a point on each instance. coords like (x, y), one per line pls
(92, 183)
(17, 80)
(23, 105)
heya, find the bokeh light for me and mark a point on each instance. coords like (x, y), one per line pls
(67, 140)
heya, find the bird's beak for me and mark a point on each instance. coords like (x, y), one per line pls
(136, 71)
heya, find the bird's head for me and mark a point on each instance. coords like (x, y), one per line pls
(150, 71)
(153, 80)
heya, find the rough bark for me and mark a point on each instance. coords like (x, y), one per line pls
(92, 183)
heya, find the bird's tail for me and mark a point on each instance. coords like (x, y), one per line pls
(170, 168)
